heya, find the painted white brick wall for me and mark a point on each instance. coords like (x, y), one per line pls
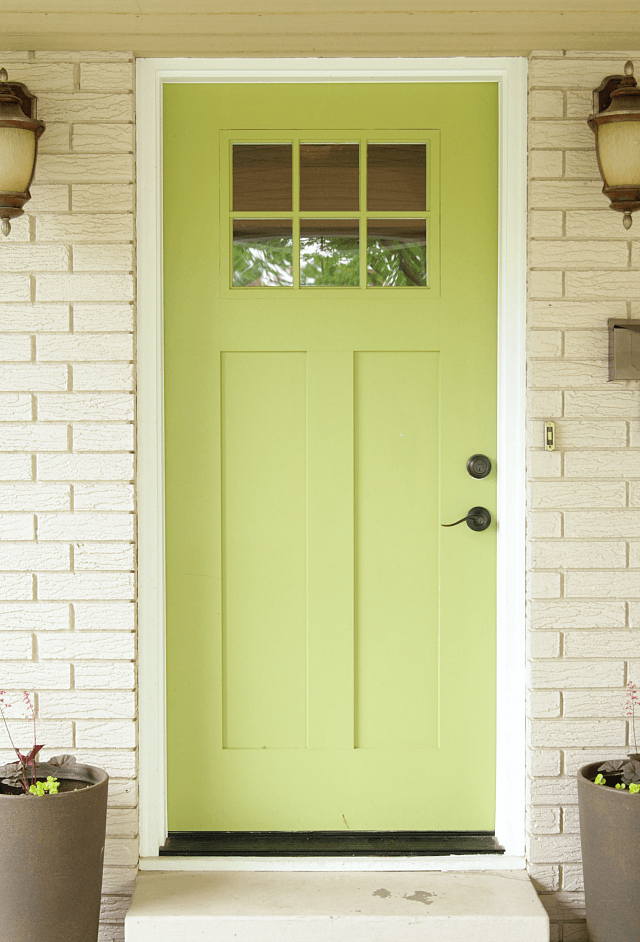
(582, 544)
(67, 556)
(67, 453)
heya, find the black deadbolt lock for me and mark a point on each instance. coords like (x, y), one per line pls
(479, 466)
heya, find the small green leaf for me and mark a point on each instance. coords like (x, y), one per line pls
(621, 785)
(38, 789)
(634, 788)
(600, 779)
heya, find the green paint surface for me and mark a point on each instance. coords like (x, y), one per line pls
(330, 648)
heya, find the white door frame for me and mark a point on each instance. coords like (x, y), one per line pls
(511, 76)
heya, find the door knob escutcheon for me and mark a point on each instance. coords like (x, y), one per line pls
(477, 519)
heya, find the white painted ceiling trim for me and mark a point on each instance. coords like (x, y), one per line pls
(511, 76)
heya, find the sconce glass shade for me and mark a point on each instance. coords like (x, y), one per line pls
(619, 151)
(19, 133)
(17, 156)
(617, 131)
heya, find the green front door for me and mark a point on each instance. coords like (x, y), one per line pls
(330, 257)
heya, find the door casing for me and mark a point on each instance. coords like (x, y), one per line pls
(511, 76)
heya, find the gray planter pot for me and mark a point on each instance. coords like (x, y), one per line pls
(610, 836)
(51, 857)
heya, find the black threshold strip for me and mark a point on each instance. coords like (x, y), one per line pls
(328, 843)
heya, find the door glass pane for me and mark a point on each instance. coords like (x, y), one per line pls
(329, 252)
(397, 177)
(262, 253)
(262, 178)
(397, 253)
(329, 178)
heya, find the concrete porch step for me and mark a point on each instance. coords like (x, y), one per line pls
(232, 906)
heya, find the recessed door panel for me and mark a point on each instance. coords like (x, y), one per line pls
(396, 557)
(264, 565)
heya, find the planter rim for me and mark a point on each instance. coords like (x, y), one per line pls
(92, 775)
(612, 794)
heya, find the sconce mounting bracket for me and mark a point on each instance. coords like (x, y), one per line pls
(602, 94)
(28, 102)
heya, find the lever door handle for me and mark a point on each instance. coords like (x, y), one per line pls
(477, 519)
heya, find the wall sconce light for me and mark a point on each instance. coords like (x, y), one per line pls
(616, 125)
(19, 133)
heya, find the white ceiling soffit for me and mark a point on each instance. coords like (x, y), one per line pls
(325, 28)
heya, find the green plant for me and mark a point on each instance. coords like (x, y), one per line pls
(624, 773)
(24, 772)
(51, 786)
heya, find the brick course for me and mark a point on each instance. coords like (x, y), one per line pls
(66, 437)
(582, 523)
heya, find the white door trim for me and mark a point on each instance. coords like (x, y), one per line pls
(511, 76)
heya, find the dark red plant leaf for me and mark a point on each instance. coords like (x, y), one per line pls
(31, 758)
(631, 772)
(613, 765)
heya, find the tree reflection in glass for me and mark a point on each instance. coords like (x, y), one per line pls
(262, 253)
(396, 253)
(330, 253)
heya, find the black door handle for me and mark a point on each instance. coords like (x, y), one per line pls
(477, 519)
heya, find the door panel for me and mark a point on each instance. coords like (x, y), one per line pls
(263, 398)
(396, 559)
(330, 649)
